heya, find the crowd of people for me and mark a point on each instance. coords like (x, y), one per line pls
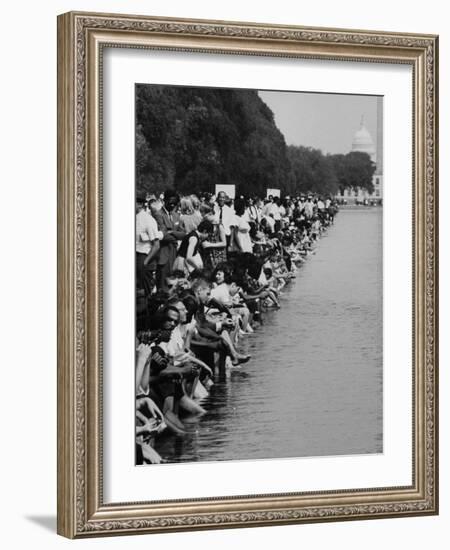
(207, 268)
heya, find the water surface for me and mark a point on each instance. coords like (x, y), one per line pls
(314, 384)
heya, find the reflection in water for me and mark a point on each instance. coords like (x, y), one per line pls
(314, 384)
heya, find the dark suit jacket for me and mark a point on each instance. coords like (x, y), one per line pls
(205, 328)
(168, 223)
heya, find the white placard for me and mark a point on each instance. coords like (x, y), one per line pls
(273, 193)
(229, 190)
(124, 482)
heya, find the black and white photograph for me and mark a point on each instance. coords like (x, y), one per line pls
(234, 217)
(259, 317)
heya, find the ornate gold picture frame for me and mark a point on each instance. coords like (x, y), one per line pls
(82, 40)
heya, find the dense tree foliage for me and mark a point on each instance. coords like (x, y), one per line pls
(312, 171)
(354, 170)
(194, 138)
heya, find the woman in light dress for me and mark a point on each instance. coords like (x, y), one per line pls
(241, 240)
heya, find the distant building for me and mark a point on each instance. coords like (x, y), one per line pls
(363, 142)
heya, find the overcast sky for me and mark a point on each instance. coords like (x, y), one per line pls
(323, 121)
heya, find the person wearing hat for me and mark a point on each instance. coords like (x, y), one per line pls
(147, 245)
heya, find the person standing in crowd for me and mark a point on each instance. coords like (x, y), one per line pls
(268, 206)
(271, 212)
(320, 205)
(168, 220)
(240, 240)
(309, 208)
(147, 245)
(225, 214)
(267, 220)
(252, 213)
(259, 204)
(276, 213)
(189, 219)
(196, 206)
(214, 250)
(300, 207)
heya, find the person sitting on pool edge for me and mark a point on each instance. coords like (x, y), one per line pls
(216, 333)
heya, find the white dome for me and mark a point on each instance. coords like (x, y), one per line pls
(362, 141)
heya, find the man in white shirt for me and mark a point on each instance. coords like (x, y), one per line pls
(225, 214)
(147, 245)
(252, 213)
(276, 209)
(268, 205)
(309, 208)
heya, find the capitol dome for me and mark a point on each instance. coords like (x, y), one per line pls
(362, 141)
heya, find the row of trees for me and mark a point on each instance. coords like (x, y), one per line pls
(193, 138)
(311, 170)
